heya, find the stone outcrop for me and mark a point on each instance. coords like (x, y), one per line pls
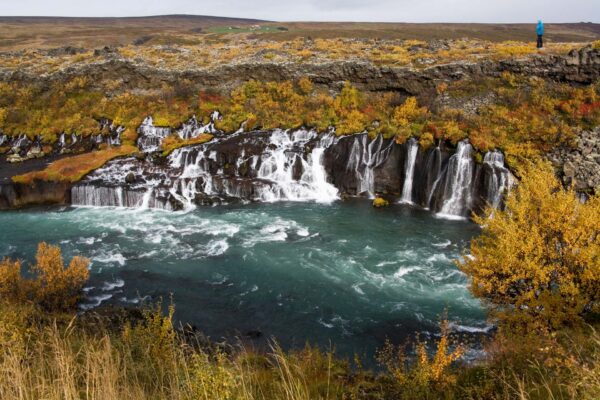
(17, 195)
(579, 67)
(580, 166)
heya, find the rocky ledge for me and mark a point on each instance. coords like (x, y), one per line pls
(580, 166)
(581, 67)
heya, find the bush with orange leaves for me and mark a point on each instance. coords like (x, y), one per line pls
(51, 286)
(537, 263)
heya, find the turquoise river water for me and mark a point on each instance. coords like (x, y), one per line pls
(342, 274)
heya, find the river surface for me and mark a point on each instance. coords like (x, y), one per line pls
(342, 274)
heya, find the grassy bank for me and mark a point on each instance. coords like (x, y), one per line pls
(72, 169)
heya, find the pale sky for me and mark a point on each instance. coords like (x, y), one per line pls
(323, 10)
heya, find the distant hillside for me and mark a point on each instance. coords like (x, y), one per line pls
(578, 32)
(47, 32)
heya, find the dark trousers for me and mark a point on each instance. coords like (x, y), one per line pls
(540, 42)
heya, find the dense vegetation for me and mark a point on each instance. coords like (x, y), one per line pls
(191, 52)
(536, 265)
(521, 116)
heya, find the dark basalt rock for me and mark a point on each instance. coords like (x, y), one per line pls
(17, 195)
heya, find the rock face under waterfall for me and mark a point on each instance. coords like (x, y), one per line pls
(300, 165)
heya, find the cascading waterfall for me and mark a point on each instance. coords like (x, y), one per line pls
(296, 165)
(364, 158)
(21, 142)
(500, 178)
(193, 128)
(280, 164)
(409, 168)
(434, 162)
(459, 178)
(150, 136)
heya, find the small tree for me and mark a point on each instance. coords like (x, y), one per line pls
(53, 286)
(537, 263)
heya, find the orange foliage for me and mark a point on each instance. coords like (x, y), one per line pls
(72, 169)
(53, 286)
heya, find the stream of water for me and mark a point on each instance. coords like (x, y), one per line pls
(342, 273)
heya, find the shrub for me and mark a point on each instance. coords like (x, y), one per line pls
(379, 202)
(53, 286)
(536, 264)
(427, 373)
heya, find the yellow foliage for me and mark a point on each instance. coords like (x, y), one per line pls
(53, 286)
(173, 142)
(72, 169)
(379, 202)
(537, 263)
(426, 371)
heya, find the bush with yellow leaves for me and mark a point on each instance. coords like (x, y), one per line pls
(536, 264)
(53, 287)
(426, 373)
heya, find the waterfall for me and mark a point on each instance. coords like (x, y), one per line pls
(117, 196)
(103, 196)
(458, 186)
(20, 143)
(192, 128)
(364, 158)
(284, 161)
(3, 139)
(62, 141)
(500, 178)
(435, 161)
(290, 165)
(409, 168)
(150, 136)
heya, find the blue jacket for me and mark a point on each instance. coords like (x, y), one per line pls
(540, 28)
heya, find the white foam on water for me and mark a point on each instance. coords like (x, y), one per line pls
(216, 247)
(385, 263)
(302, 232)
(110, 258)
(108, 286)
(450, 217)
(438, 257)
(470, 329)
(405, 271)
(443, 244)
(95, 301)
(88, 240)
(357, 288)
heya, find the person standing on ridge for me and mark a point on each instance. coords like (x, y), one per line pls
(540, 34)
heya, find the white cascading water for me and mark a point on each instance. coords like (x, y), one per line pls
(284, 154)
(150, 136)
(364, 158)
(112, 192)
(500, 179)
(459, 179)
(409, 168)
(438, 174)
(193, 128)
(278, 163)
(290, 168)
(21, 141)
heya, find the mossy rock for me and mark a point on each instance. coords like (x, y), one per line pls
(380, 202)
